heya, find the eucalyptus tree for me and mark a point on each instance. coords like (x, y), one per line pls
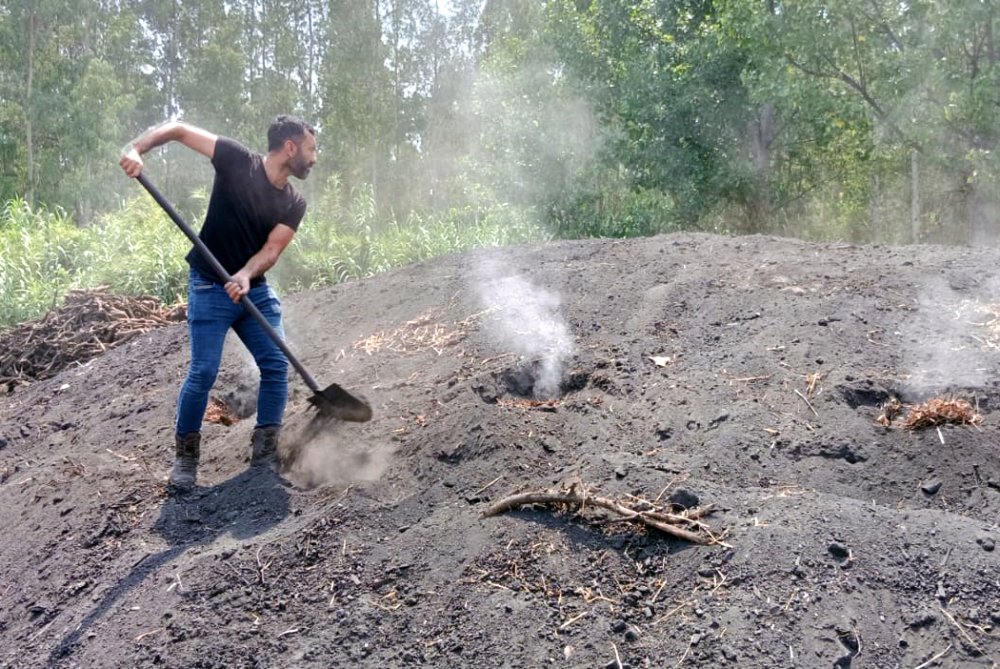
(442, 130)
(670, 95)
(66, 88)
(355, 91)
(872, 93)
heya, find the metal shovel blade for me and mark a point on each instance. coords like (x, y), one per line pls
(335, 402)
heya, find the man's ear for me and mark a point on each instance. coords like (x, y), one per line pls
(291, 150)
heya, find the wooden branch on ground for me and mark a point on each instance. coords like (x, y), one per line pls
(683, 525)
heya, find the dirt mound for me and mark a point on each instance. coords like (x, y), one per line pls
(682, 372)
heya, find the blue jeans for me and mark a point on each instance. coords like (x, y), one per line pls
(210, 314)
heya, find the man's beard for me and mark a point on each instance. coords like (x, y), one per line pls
(299, 167)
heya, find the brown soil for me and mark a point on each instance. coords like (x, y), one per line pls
(745, 374)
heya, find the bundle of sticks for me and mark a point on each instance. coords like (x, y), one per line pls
(89, 322)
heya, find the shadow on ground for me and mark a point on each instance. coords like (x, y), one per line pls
(243, 507)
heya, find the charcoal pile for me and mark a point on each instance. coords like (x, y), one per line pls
(686, 451)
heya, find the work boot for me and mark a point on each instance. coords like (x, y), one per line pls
(264, 445)
(187, 452)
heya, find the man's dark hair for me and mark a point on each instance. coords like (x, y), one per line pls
(284, 128)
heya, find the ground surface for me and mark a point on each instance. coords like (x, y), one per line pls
(742, 373)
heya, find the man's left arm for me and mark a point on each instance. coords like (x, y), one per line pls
(280, 237)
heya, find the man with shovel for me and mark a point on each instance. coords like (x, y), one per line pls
(252, 216)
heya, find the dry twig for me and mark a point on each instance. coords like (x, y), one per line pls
(618, 658)
(682, 526)
(965, 635)
(934, 659)
(808, 403)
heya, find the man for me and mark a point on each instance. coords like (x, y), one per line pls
(252, 216)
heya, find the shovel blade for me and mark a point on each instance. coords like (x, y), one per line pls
(335, 402)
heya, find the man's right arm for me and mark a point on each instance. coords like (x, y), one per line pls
(190, 136)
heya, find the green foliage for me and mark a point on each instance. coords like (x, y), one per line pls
(43, 254)
(339, 241)
(625, 213)
(137, 251)
(868, 120)
(39, 256)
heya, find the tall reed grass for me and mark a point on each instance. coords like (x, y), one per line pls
(137, 250)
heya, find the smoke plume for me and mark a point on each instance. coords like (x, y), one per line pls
(945, 341)
(527, 320)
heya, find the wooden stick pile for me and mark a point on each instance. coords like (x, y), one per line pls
(90, 322)
(932, 413)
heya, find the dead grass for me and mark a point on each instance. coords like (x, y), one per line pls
(941, 411)
(423, 333)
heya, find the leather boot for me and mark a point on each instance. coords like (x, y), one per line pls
(264, 446)
(187, 453)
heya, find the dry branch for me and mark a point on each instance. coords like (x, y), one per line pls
(89, 323)
(680, 525)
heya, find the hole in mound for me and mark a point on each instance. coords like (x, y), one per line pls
(863, 394)
(870, 394)
(534, 383)
(532, 380)
(519, 381)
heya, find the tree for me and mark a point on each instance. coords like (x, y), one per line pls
(881, 88)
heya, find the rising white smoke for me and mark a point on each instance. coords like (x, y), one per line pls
(947, 338)
(527, 319)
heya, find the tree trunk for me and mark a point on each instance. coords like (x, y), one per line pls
(29, 192)
(372, 82)
(758, 200)
(914, 197)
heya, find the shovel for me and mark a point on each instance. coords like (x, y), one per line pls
(332, 401)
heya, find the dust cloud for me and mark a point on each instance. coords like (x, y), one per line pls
(316, 451)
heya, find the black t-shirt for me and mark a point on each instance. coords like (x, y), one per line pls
(243, 210)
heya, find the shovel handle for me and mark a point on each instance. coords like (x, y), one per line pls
(226, 278)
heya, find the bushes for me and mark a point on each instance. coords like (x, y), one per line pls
(39, 253)
(137, 250)
(616, 213)
(341, 241)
